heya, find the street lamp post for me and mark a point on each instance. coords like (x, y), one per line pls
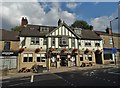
(112, 36)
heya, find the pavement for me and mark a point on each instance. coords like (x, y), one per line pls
(54, 70)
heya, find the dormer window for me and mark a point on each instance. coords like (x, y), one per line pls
(34, 41)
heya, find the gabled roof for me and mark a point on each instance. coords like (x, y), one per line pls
(64, 24)
(9, 35)
(89, 34)
(34, 31)
(26, 32)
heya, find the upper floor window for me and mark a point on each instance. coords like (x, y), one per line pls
(45, 41)
(72, 42)
(88, 44)
(97, 44)
(34, 40)
(111, 41)
(53, 41)
(63, 41)
(79, 43)
(7, 45)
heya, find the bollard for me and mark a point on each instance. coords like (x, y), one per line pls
(32, 76)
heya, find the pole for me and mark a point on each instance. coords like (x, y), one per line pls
(112, 37)
(32, 76)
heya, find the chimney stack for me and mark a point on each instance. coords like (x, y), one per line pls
(109, 31)
(24, 22)
(59, 22)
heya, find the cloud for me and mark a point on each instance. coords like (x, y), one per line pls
(12, 13)
(96, 3)
(71, 5)
(101, 23)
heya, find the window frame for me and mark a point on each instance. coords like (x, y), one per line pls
(72, 42)
(27, 57)
(7, 45)
(97, 44)
(35, 40)
(62, 40)
(53, 41)
(87, 44)
(45, 41)
(111, 41)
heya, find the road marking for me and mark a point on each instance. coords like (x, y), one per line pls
(19, 84)
(114, 73)
(5, 81)
(25, 79)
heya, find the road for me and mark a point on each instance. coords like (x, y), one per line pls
(107, 77)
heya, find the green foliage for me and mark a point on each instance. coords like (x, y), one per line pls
(82, 24)
(16, 28)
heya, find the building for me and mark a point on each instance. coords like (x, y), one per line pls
(110, 46)
(9, 45)
(58, 46)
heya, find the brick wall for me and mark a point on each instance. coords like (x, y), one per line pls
(14, 45)
(1, 45)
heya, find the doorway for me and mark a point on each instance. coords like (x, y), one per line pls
(64, 61)
(98, 58)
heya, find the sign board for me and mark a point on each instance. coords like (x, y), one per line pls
(114, 50)
(9, 53)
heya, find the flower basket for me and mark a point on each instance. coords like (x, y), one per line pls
(98, 51)
(86, 51)
(62, 51)
(37, 50)
(74, 50)
(21, 50)
(52, 49)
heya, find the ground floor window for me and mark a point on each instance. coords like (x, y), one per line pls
(81, 58)
(90, 58)
(108, 57)
(9, 62)
(28, 58)
(40, 57)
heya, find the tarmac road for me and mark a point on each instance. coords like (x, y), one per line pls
(104, 77)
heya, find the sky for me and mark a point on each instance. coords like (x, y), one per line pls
(98, 14)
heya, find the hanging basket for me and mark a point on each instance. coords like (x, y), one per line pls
(37, 50)
(98, 51)
(62, 51)
(86, 51)
(74, 50)
(21, 50)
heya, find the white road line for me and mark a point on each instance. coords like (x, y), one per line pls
(25, 79)
(5, 81)
(19, 84)
(114, 73)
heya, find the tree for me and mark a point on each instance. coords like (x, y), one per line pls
(82, 24)
(16, 28)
